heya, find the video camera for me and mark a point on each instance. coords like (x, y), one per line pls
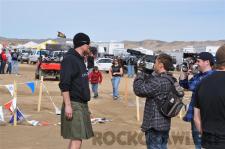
(189, 63)
(146, 64)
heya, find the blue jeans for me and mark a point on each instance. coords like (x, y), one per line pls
(130, 70)
(156, 139)
(2, 71)
(9, 69)
(115, 84)
(94, 89)
(196, 136)
(15, 67)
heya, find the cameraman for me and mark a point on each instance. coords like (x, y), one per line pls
(205, 62)
(155, 88)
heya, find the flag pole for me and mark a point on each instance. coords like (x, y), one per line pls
(15, 110)
(126, 90)
(40, 94)
(138, 108)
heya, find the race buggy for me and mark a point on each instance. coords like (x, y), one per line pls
(49, 66)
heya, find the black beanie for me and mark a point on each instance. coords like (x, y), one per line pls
(80, 39)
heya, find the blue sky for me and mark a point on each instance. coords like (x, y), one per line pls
(106, 20)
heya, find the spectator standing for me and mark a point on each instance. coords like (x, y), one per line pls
(209, 111)
(205, 62)
(116, 72)
(9, 62)
(3, 62)
(90, 62)
(15, 63)
(155, 87)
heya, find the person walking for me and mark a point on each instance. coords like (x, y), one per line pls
(95, 78)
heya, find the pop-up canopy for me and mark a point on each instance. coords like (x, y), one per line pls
(43, 44)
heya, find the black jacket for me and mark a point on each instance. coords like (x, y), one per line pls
(74, 77)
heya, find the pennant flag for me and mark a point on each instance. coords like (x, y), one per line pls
(61, 35)
(11, 105)
(31, 86)
(1, 115)
(10, 88)
(19, 115)
(33, 122)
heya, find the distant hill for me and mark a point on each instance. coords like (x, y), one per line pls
(158, 45)
(155, 45)
(14, 41)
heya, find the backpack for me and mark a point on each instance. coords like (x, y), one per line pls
(173, 104)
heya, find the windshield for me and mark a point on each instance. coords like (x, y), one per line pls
(42, 52)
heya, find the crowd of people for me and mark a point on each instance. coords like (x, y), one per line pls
(206, 110)
(9, 62)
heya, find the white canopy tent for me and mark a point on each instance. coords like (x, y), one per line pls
(30, 44)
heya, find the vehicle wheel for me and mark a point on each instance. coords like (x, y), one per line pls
(57, 78)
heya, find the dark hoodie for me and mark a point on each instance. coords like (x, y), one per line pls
(74, 77)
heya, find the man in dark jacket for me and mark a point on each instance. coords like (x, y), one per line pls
(155, 88)
(209, 105)
(205, 61)
(75, 117)
(15, 63)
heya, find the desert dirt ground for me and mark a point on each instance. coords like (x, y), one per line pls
(123, 131)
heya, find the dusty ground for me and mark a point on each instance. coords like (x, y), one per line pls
(111, 135)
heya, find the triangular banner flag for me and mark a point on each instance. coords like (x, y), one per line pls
(31, 86)
(11, 105)
(19, 115)
(1, 115)
(33, 122)
(10, 88)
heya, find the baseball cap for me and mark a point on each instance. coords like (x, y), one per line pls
(206, 56)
